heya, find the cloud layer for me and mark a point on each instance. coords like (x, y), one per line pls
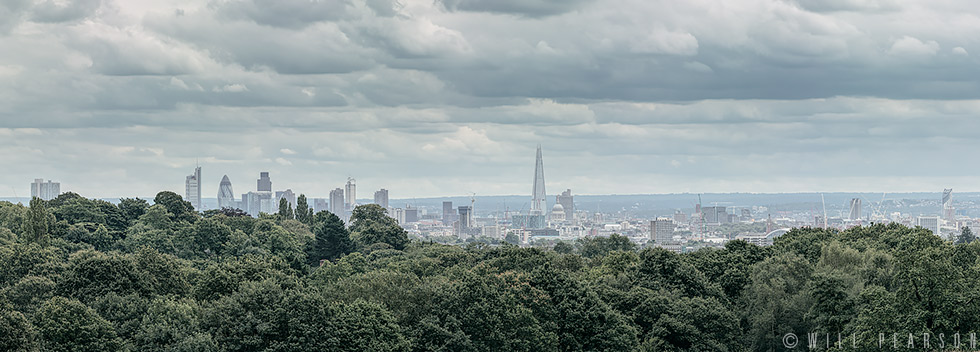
(447, 97)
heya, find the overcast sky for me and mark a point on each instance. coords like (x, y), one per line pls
(448, 97)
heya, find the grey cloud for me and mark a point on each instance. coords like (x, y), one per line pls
(281, 13)
(848, 5)
(12, 13)
(320, 48)
(62, 11)
(529, 8)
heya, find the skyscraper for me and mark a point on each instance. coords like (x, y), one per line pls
(447, 213)
(662, 230)
(567, 202)
(264, 183)
(192, 189)
(350, 194)
(45, 190)
(226, 197)
(381, 198)
(949, 214)
(855, 213)
(261, 200)
(337, 202)
(320, 204)
(538, 201)
(288, 195)
(715, 215)
(465, 216)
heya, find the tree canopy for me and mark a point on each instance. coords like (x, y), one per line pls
(162, 277)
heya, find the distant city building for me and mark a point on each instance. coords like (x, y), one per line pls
(192, 189)
(320, 204)
(715, 215)
(399, 215)
(350, 200)
(45, 190)
(557, 213)
(567, 202)
(949, 214)
(538, 201)
(226, 196)
(855, 212)
(381, 198)
(288, 195)
(264, 183)
(337, 202)
(448, 215)
(662, 230)
(680, 217)
(259, 202)
(411, 215)
(746, 214)
(930, 223)
(465, 216)
(529, 222)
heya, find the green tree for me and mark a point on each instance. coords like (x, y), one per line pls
(370, 224)
(133, 208)
(331, 238)
(591, 247)
(16, 332)
(966, 236)
(303, 211)
(179, 209)
(564, 248)
(512, 238)
(285, 209)
(37, 220)
(68, 325)
(210, 236)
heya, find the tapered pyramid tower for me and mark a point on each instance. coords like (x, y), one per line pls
(538, 202)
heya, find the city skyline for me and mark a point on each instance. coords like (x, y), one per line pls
(625, 96)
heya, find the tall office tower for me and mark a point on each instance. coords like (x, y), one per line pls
(260, 202)
(929, 222)
(381, 198)
(680, 217)
(192, 189)
(715, 215)
(949, 214)
(538, 201)
(264, 183)
(465, 216)
(320, 204)
(662, 230)
(447, 213)
(411, 215)
(226, 197)
(855, 213)
(568, 203)
(45, 190)
(288, 195)
(337, 202)
(351, 194)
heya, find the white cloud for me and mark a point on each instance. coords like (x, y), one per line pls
(451, 96)
(914, 47)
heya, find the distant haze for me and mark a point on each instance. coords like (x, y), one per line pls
(450, 97)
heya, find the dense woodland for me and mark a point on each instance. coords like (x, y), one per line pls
(80, 274)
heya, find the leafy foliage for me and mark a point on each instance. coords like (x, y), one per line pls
(162, 277)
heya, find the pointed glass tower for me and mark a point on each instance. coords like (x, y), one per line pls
(538, 202)
(226, 196)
